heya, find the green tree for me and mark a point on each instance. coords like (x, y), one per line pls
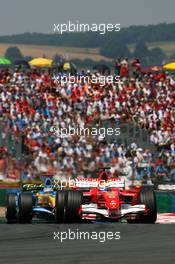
(141, 50)
(114, 50)
(13, 53)
(156, 56)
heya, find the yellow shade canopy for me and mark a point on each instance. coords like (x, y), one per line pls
(169, 66)
(66, 66)
(41, 62)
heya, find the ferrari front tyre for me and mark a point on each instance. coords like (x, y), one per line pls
(25, 207)
(11, 213)
(73, 204)
(147, 197)
(60, 206)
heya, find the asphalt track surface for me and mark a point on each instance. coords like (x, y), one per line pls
(35, 244)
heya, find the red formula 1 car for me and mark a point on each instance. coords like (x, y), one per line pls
(106, 199)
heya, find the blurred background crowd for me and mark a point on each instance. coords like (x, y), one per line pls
(32, 103)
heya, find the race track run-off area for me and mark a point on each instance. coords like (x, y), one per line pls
(38, 243)
(35, 243)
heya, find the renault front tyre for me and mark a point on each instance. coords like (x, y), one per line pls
(60, 206)
(73, 207)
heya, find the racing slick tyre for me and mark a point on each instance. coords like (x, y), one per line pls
(11, 213)
(73, 204)
(147, 196)
(25, 207)
(60, 206)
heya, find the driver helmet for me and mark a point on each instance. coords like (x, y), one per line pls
(48, 186)
(103, 186)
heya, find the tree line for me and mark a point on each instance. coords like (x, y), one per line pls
(111, 44)
(132, 34)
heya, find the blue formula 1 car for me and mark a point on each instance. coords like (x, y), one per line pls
(43, 201)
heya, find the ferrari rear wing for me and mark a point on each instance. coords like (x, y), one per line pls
(99, 183)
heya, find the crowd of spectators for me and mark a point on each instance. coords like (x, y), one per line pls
(33, 105)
